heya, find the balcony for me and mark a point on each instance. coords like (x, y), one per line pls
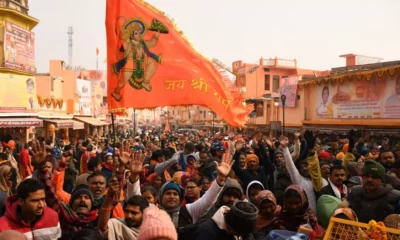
(18, 5)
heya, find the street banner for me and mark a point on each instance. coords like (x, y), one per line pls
(84, 91)
(152, 64)
(19, 48)
(97, 78)
(289, 89)
(18, 92)
(376, 98)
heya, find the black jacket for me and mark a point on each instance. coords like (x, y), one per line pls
(328, 190)
(209, 230)
(265, 173)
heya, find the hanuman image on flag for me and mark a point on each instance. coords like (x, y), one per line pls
(136, 63)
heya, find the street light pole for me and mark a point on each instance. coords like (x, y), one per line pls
(283, 99)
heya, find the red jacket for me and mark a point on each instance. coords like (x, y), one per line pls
(46, 227)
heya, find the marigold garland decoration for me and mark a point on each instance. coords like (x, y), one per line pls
(390, 72)
(376, 231)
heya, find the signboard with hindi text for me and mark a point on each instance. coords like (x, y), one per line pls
(359, 99)
(19, 48)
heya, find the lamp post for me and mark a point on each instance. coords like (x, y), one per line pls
(283, 99)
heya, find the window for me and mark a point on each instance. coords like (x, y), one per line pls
(204, 114)
(275, 86)
(266, 69)
(189, 115)
(267, 82)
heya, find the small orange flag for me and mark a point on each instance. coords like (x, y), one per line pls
(152, 64)
(97, 51)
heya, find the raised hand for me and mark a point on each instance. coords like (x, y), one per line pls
(258, 136)
(225, 167)
(238, 146)
(297, 135)
(125, 158)
(284, 142)
(113, 188)
(136, 166)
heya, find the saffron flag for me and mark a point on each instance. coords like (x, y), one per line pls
(152, 64)
(97, 51)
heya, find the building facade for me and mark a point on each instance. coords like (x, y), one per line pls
(71, 103)
(262, 84)
(364, 96)
(18, 115)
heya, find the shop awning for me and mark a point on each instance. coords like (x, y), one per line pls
(78, 125)
(92, 121)
(61, 123)
(20, 122)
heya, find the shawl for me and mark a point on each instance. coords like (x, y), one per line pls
(72, 221)
(336, 190)
(290, 221)
(4, 187)
(263, 221)
(118, 230)
(107, 166)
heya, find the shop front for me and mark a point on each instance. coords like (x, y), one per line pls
(18, 128)
(368, 100)
(93, 126)
(66, 129)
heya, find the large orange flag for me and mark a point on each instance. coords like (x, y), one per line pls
(151, 64)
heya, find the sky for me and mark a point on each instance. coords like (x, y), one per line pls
(314, 32)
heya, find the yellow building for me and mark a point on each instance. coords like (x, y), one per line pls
(17, 70)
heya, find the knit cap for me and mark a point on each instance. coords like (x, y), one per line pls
(242, 217)
(375, 169)
(81, 189)
(156, 224)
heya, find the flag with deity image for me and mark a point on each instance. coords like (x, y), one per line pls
(152, 64)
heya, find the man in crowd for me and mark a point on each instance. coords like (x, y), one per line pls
(229, 223)
(27, 212)
(336, 186)
(374, 200)
(121, 228)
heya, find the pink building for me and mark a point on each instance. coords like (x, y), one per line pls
(66, 104)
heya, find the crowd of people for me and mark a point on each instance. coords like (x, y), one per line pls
(168, 186)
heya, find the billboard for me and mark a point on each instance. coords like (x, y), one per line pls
(17, 91)
(359, 99)
(98, 78)
(289, 89)
(19, 48)
(84, 91)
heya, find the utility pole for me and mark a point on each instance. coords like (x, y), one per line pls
(70, 45)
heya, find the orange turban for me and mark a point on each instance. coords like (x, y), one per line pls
(252, 157)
